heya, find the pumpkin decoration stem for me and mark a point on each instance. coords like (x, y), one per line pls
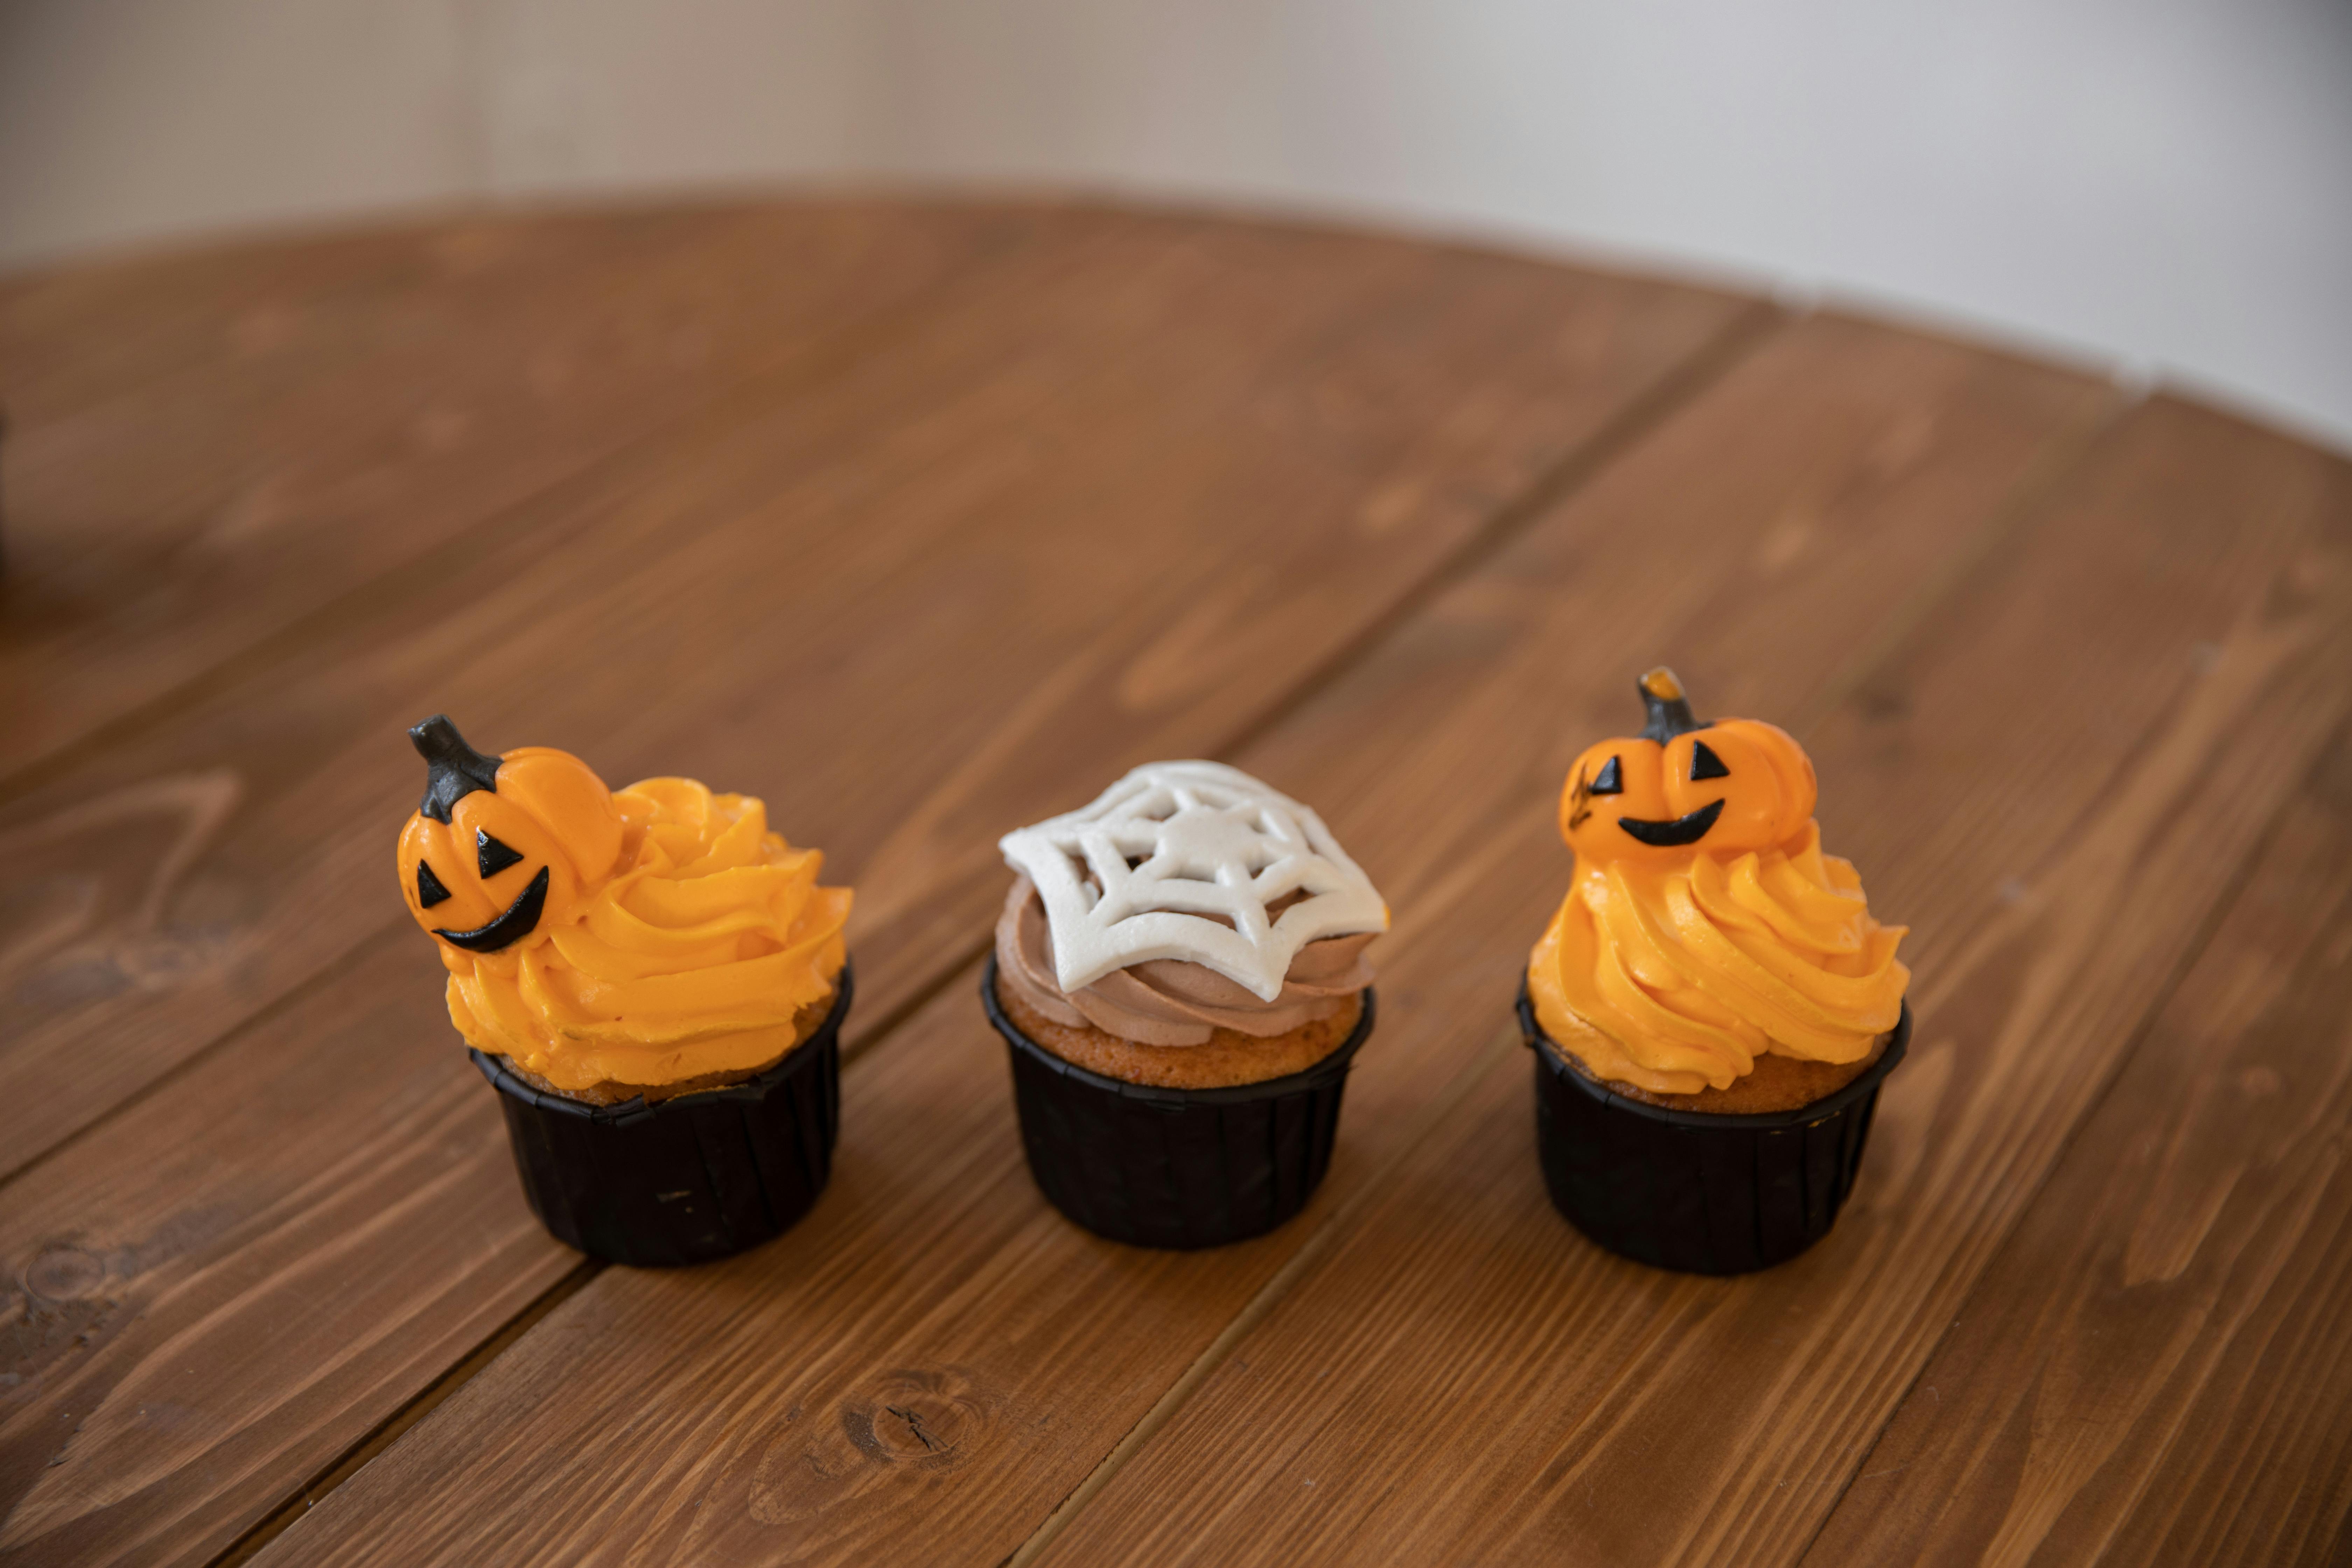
(452, 769)
(1670, 711)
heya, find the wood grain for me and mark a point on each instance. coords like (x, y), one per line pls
(934, 1359)
(2157, 1366)
(1122, 499)
(1130, 490)
(88, 332)
(2052, 779)
(197, 1317)
(296, 441)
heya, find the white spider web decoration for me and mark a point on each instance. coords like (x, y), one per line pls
(1174, 843)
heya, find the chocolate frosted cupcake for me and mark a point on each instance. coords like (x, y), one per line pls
(1180, 976)
(654, 983)
(1714, 1007)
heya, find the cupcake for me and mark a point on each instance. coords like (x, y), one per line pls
(653, 982)
(1180, 976)
(1714, 1008)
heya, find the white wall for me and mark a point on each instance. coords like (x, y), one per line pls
(2165, 183)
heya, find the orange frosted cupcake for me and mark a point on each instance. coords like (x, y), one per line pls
(1714, 1007)
(653, 982)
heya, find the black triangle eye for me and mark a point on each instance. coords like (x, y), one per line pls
(1705, 764)
(493, 855)
(1608, 779)
(429, 891)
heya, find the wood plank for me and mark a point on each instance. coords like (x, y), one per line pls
(1289, 430)
(240, 457)
(82, 332)
(2157, 1366)
(2052, 781)
(751, 1412)
(317, 1161)
(87, 334)
(861, 603)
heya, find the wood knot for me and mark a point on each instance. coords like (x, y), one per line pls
(1880, 706)
(899, 1429)
(65, 1274)
(914, 1415)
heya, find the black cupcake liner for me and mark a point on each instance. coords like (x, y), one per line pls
(1692, 1191)
(701, 1176)
(1176, 1168)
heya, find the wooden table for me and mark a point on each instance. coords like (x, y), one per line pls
(923, 520)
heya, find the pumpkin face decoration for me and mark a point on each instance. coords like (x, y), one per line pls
(1725, 787)
(503, 847)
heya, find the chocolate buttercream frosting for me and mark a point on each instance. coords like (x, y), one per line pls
(1170, 1002)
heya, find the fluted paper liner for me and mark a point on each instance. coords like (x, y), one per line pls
(1177, 1168)
(687, 1180)
(1691, 1190)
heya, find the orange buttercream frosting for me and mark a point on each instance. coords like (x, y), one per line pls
(1704, 927)
(672, 934)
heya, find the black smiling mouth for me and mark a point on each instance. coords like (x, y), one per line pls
(522, 915)
(1660, 835)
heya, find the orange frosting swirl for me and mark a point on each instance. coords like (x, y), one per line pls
(1675, 978)
(1703, 927)
(696, 956)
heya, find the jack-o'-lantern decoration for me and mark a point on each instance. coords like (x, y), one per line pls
(1727, 785)
(503, 847)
